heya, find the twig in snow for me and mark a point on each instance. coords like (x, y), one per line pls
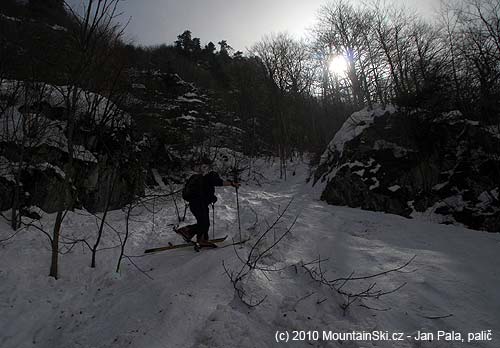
(11, 236)
(317, 274)
(302, 299)
(436, 317)
(376, 274)
(374, 309)
(252, 261)
(138, 268)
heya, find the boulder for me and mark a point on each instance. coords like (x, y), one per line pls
(408, 161)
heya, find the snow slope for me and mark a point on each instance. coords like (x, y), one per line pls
(191, 303)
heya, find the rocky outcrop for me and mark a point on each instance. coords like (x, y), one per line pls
(119, 184)
(410, 161)
(175, 125)
(34, 150)
(178, 119)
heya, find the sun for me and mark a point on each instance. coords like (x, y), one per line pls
(338, 65)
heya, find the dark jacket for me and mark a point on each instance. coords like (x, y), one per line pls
(210, 180)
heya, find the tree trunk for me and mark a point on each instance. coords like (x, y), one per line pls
(54, 265)
(124, 242)
(111, 188)
(15, 217)
(15, 205)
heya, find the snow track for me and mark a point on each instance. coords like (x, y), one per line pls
(190, 301)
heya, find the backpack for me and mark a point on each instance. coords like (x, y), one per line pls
(193, 188)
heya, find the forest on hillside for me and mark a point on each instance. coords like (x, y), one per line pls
(354, 56)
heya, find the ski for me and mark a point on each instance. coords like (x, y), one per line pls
(185, 245)
(234, 243)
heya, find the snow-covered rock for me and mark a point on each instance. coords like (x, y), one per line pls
(34, 147)
(353, 127)
(443, 163)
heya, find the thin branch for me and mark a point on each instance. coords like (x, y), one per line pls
(436, 317)
(11, 236)
(138, 268)
(376, 274)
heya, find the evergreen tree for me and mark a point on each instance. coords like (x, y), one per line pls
(183, 41)
(224, 48)
(188, 45)
(209, 48)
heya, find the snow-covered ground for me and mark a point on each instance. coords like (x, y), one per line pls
(189, 302)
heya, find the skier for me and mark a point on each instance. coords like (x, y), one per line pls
(199, 191)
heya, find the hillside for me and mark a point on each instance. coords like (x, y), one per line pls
(126, 118)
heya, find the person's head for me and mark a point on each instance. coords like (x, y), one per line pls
(204, 166)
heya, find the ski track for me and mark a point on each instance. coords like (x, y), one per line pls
(190, 301)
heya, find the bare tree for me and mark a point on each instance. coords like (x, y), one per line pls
(391, 55)
(93, 37)
(478, 33)
(341, 29)
(23, 126)
(449, 23)
(290, 73)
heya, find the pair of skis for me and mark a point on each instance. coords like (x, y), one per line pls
(197, 246)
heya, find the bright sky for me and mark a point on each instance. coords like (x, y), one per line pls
(240, 22)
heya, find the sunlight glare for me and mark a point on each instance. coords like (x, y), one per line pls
(338, 65)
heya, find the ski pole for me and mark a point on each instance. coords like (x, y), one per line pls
(185, 211)
(213, 221)
(238, 210)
